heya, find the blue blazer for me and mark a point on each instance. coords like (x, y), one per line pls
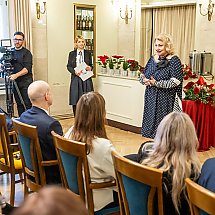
(207, 177)
(45, 124)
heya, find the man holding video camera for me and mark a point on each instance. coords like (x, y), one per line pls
(22, 72)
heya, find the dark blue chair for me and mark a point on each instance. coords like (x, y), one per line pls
(72, 159)
(139, 187)
(31, 156)
(201, 200)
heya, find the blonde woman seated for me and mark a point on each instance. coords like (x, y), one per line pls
(175, 153)
(89, 127)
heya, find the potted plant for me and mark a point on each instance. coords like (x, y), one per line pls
(133, 67)
(103, 62)
(117, 59)
(111, 66)
(125, 68)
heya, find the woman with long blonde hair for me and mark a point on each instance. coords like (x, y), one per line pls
(175, 153)
(89, 127)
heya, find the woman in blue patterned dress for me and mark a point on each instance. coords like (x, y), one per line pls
(163, 77)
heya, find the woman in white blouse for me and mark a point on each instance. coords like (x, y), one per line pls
(89, 127)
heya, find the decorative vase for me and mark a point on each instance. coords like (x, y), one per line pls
(111, 71)
(130, 73)
(103, 70)
(134, 74)
(124, 72)
(117, 72)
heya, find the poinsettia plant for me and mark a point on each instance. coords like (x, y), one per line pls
(133, 65)
(125, 65)
(103, 60)
(188, 72)
(110, 63)
(117, 59)
(200, 91)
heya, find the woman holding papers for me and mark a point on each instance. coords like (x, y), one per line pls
(80, 66)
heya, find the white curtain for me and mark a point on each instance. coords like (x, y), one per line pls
(20, 19)
(146, 35)
(4, 20)
(178, 21)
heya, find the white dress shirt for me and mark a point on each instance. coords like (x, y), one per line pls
(80, 57)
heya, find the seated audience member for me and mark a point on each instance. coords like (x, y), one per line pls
(52, 201)
(175, 152)
(89, 128)
(40, 95)
(207, 177)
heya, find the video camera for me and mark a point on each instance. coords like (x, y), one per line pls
(7, 57)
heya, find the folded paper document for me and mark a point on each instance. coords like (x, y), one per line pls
(84, 74)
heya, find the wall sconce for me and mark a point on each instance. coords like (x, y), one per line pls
(40, 8)
(126, 15)
(210, 10)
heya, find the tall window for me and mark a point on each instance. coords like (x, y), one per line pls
(4, 21)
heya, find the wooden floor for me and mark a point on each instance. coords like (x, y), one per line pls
(125, 142)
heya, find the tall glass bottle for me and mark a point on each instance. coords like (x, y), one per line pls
(83, 23)
(90, 24)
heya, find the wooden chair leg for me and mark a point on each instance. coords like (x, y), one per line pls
(12, 188)
(25, 188)
(21, 177)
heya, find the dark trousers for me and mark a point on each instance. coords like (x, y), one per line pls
(115, 202)
(23, 89)
(74, 109)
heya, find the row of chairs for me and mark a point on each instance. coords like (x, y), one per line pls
(9, 156)
(139, 186)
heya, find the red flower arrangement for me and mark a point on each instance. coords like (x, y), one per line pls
(188, 72)
(117, 56)
(200, 91)
(117, 59)
(133, 65)
(103, 60)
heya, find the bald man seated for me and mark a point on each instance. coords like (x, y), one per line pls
(40, 95)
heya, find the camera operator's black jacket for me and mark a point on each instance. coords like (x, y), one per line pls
(22, 58)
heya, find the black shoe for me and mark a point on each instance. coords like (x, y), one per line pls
(7, 209)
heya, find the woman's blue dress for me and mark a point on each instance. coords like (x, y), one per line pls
(159, 101)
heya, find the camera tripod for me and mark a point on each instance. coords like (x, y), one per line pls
(10, 86)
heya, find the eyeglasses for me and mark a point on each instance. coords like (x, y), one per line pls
(18, 40)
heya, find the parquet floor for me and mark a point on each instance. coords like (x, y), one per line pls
(125, 143)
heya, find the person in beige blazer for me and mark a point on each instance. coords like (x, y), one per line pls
(89, 127)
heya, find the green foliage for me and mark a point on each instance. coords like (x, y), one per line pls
(200, 91)
(133, 65)
(110, 63)
(125, 65)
